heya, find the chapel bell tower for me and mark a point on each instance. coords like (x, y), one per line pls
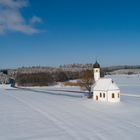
(96, 70)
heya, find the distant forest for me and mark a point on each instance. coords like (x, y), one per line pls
(44, 76)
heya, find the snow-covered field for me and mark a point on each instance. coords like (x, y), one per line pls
(42, 114)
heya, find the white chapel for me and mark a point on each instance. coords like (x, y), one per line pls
(104, 89)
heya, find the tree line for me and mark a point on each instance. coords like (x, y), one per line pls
(45, 78)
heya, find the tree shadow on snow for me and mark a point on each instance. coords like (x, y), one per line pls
(52, 92)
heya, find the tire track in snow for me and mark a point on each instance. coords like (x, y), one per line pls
(123, 94)
(59, 123)
(66, 126)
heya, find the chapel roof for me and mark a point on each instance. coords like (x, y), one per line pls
(105, 84)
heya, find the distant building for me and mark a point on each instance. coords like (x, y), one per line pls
(6, 80)
(104, 89)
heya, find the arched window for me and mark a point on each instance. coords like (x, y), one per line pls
(101, 95)
(96, 70)
(118, 95)
(104, 95)
(113, 95)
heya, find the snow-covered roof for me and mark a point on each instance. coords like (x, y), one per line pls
(105, 84)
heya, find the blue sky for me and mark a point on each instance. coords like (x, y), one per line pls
(54, 32)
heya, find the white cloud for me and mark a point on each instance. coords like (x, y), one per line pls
(35, 19)
(14, 3)
(11, 18)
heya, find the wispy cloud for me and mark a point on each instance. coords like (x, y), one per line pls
(35, 20)
(11, 18)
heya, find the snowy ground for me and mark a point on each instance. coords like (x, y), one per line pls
(41, 114)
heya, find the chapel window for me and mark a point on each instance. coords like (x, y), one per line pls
(100, 94)
(118, 95)
(113, 95)
(104, 95)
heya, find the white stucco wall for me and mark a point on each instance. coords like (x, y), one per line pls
(116, 97)
(102, 98)
(108, 96)
(96, 74)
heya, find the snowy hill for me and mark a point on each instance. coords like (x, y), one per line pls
(126, 71)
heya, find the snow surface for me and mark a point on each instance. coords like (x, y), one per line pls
(42, 114)
(6, 86)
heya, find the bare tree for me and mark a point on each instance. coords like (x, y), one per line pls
(87, 80)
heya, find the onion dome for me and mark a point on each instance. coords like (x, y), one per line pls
(96, 65)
